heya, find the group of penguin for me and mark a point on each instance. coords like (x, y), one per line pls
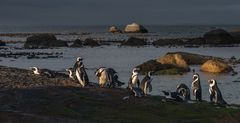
(108, 77)
(182, 92)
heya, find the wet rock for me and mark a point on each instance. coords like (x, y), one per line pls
(90, 42)
(43, 41)
(135, 28)
(2, 43)
(193, 59)
(77, 43)
(195, 41)
(30, 55)
(175, 60)
(216, 66)
(167, 42)
(175, 63)
(132, 41)
(114, 29)
(158, 68)
(236, 36)
(218, 36)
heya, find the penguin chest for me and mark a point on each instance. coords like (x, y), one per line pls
(134, 80)
(103, 79)
(79, 77)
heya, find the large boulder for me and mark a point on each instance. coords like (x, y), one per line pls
(135, 28)
(77, 43)
(44, 41)
(114, 29)
(191, 58)
(2, 43)
(175, 63)
(218, 36)
(90, 42)
(158, 68)
(175, 60)
(132, 41)
(216, 66)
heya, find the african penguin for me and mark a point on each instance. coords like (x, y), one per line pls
(107, 77)
(134, 80)
(175, 96)
(80, 72)
(184, 91)
(103, 76)
(70, 74)
(146, 83)
(215, 93)
(137, 92)
(196, 87)
(46, 72)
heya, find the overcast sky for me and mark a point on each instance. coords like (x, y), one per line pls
(118, 12)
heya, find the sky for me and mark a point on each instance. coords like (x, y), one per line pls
(119, 12)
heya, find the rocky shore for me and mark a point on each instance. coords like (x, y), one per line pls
(180, 62)
(27, 98)
(212, 38)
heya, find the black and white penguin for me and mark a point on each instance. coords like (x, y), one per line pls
(196, 87)
(107, 77)
(215, 93)
(46, 72)
(134, 80)
(146, 83)
(80, 72)
(103, 76)
(70, 74)
(175, 96)
(184, 91)
(113, 75)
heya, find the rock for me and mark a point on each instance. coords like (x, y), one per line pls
(175, 63)
(44, 41)
(77, 43)
(91, 42)
(114, 29)
(132, 41)
(195, 41)
(2, 43)
(236, 36)
(167, 42)
(216, 66)
(158, 68)
(135, 28)
(191, 58)
(175, 60)
(218, 36)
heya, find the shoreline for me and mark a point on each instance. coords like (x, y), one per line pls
(59, 100)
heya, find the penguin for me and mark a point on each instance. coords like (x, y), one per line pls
(215, 93)
(134, 80)
(108, 77)
(137, 92)
(113, 76)
(175, 96)
(103, 76)
(196, 87)
(80, 72)
(70, 74)
(77, 63)
(37, 71)
(184, 91)
(146, 83)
